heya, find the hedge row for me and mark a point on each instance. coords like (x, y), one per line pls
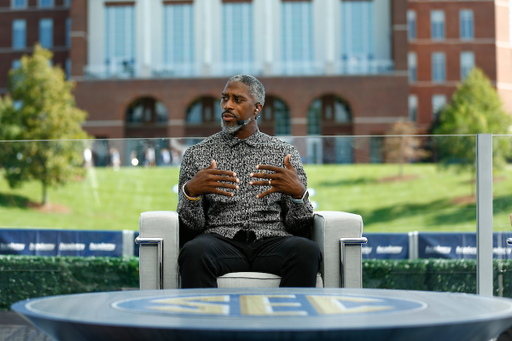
(23, 277)
(449, 275)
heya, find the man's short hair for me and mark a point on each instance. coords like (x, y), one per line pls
(256, 89)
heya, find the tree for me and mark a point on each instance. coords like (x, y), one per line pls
(41, 120)
(402, 146)
(475, 109)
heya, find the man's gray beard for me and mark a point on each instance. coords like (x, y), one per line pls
(230, 129)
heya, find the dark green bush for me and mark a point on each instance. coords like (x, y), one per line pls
(449, 275)
(23, 277)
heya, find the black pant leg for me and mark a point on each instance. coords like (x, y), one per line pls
(296, 259)
(206, 257)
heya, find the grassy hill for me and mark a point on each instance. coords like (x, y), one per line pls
(426, 199)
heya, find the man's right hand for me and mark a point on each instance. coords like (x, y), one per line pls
(208, 181)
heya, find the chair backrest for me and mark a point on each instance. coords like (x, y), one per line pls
(339, 235)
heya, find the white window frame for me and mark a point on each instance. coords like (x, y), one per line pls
(467, 63)
(41, 23)
(246, 62)
(290, 63)
(412, 63)
(51, 5)
(412, 26)
(466, 24)
(413, 108)
(438, 103)
(183, 67)
(437, 25)
(14, 6)
(358, 62)
(68, 32)
(120, 65)
(16, 64)
(438, 67)
(14, 31)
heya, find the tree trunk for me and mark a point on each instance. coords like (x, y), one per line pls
(402, 153)
(45, 194)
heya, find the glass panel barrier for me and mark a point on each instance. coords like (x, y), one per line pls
(502, 209)
(416, 195)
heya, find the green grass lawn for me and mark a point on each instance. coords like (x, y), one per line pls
(113, 200)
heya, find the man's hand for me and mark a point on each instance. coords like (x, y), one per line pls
(208, 181)
(284, 180)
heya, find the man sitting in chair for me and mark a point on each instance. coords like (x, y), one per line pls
(246, 193)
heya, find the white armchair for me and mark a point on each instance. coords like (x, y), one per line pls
(339, 235)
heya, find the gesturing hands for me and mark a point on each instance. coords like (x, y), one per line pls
(209, 179)
(283, 180)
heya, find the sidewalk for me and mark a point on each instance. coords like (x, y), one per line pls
(14, 328)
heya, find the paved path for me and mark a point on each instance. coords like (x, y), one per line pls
(15, 328)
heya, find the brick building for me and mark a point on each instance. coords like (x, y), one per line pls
(155, 68)
(446, 40)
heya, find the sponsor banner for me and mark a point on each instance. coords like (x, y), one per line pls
(61, 243)
(460, 245)
(386, 246)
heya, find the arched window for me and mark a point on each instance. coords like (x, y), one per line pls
(146, 111)
(204, 110)
(275, 118)
(314, 118)
(330, 110)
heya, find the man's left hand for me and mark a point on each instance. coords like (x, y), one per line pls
(283, 180)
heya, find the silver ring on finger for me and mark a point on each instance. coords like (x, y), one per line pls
(270, 182)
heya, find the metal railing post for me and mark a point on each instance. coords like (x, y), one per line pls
(484, 273)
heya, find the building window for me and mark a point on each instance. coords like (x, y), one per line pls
(315, 118)
(237, 34)
(18, 3)
(120, 40)
(329, 109)
(45, 3)
(178, 39)
(16, 64)
(437, 24)
(204, 110)
(413, 108)
(46, 33)
(146, 110)
(438, 67)
(438, 103)
(413, 67)
(358, 40)
(68, 68)
(68, 32)
(466, 24)
(19, 34)
(297, 37)
(275, 117)
(411, 24)
(467, 63)
(376, 149)
(510, 20)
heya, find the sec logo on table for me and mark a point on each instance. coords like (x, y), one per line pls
(268, 305)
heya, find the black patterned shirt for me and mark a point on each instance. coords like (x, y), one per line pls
(273, 215)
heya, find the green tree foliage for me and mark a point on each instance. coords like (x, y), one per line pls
(40, 119)
(475, 109)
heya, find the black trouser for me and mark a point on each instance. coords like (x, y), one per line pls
(207, 256)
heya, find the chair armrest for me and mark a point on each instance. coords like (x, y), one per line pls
(153, 226)
(329, 228)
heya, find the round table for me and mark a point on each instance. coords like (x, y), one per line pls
(269, 314)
